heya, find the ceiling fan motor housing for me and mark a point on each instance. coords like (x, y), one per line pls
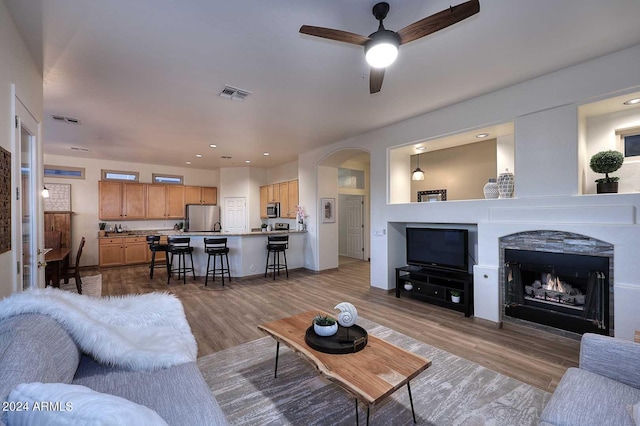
(388, 40)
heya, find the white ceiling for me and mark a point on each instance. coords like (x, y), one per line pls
(143, 75)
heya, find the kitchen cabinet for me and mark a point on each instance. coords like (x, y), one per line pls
(286, 193)
(165, 201)
(59, 221)
(289, 199)
(121, 201)
(110, 251)
(120, 251)
(200, 195)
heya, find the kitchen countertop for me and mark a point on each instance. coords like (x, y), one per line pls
(144, 233)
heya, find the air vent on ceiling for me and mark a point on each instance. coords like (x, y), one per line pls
(75, 148)
(226, 157)
(234, 93)
(69, 120)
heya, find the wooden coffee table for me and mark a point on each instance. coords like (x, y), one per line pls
(370, 375)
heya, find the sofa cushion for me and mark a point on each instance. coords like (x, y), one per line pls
(584, 398)
(178, 394)
(34, 348)
(64, 404)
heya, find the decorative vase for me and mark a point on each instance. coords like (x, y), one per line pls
(505, 184)
(607, 187)
(408, 286)
(491, 189)
(325, 330)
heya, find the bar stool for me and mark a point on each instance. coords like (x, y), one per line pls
(217, 247)
(180, 246)
(155, 247)
(277, 244)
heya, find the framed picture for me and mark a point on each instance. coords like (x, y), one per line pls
(432, 195)
(328, 206)
(5, 200)
(59, 197)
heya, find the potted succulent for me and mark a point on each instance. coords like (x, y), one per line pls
(455, 296)
(324, 325)
(607, 162)
(264, 227)
(102, 226)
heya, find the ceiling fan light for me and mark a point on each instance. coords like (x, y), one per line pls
(382, 50)
(417, 174)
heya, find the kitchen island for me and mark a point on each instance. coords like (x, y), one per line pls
(247, 251)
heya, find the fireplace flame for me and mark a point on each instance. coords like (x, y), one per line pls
(554, 284)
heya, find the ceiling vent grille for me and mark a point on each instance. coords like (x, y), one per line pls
(233, 93)
(68, 120)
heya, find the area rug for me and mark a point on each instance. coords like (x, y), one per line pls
(453, 391)
(91, 286)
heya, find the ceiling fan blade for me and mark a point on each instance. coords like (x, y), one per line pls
(376, 75)
(438, 21)
(337, 35)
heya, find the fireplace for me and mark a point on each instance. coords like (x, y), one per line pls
(558, 280)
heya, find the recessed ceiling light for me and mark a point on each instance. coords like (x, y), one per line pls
(213, 146)
(482, 135)
(421, 148)
(265, 154)
(632, 101)
(247, 161)
(188, 162)
(199, 155)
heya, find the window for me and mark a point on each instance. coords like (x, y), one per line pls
(64, 172)
(629, 142)
(162, 178)
(350, 178)
(120, 175)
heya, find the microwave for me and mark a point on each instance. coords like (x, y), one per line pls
(273, 210)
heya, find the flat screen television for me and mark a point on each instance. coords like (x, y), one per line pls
(438, 248)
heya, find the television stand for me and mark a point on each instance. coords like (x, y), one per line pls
(435, 286)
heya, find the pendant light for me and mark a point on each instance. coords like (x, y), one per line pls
(418, 174)
(45, 192)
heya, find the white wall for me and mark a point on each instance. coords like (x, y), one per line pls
(328, 188)
(85, 202)
(16, 67)
(282, 173)
(505, 152)
(550, 101)
(600, 136)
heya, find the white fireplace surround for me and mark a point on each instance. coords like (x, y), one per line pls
(615, 224)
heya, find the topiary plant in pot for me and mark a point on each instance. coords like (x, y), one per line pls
(607, 162)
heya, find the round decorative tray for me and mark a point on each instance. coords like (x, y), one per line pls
(346, 341)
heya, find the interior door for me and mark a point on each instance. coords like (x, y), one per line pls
(355, 226)
(28, 163)
(235, 214)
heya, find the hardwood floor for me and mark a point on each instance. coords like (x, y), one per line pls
(223, 317)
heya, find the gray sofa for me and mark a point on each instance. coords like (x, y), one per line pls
(35, 348)
(601, 390)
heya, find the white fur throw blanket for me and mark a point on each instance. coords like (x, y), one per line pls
(140, 332)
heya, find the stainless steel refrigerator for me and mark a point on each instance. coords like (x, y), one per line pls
(203, 217)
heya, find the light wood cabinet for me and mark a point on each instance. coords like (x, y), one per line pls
(294, 198)
(135, 250)
(121, 201)
(111, 251)
(120, 251)
(165, 201)
(175, 202)
(110, 200)
(59, 221)
(200, 195)
(286, 193)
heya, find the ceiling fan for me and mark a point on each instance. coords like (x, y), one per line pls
(381, 47)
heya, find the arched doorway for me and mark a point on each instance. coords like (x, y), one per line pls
(344, 176)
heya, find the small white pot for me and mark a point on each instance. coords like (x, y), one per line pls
(325, 330)
(455, 299)
(408, 286)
